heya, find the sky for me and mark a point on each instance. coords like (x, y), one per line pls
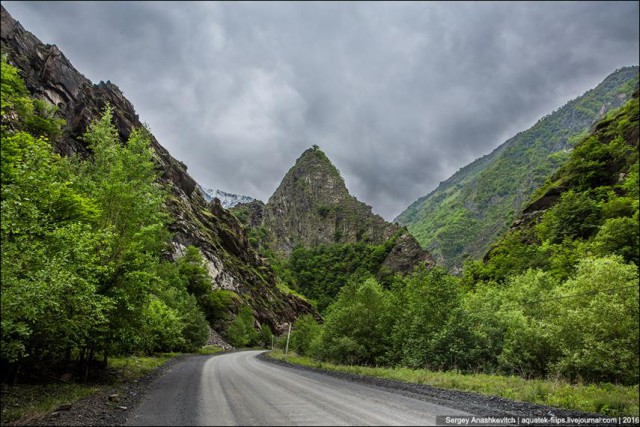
(398, 95)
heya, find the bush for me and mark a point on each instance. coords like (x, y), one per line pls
(358, 324)
(304, 333)
(241, 332)
(595, 322)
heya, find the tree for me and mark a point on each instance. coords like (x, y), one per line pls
(358, 324)
(49, 246)
(122, 179)
(305, 332)
(427, 300)
(595, 322)
(241, 332)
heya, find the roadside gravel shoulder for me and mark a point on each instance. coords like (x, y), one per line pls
(475, 403)
(98, 410)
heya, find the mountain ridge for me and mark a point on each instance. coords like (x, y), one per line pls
(227, 200)
(463, 215)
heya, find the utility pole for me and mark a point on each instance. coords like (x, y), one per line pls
(272, 339)
(286, 350)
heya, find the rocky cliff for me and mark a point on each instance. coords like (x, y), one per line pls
(312, 207)
(231, 261)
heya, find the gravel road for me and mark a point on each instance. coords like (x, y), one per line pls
(240, 389)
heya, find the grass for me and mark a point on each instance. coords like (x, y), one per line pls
(25, 403)
(607, 399)
(210, 349)
(287, 290)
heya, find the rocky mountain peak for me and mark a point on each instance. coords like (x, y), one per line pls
(313, 178)
(312, 207)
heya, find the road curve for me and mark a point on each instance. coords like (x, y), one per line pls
(239, 389)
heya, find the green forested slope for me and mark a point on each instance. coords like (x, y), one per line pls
(588, 207)
(470, 210)
(557, 298)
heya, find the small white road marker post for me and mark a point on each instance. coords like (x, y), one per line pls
(286, 350)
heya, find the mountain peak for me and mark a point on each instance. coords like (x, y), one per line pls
(227, 200)
(312, 207)
(314, 178)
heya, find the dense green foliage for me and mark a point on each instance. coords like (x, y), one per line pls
(241, 332)
(556, 298)
(473, 208)
(319, 273)
(595, 215)
(82, 244)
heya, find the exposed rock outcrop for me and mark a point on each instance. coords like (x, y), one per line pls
(233, 264)
(312, 207)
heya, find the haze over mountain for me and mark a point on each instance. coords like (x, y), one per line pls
(398, 95)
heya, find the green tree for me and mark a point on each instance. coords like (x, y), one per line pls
(576, 216)
(306, 331)
(358, 324)
(619, 236)
(241, 332)
(122, 179)
(595, 322)
(49, 246)
(427, 300)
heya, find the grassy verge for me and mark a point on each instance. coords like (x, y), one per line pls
(210, 349)
(607, 399)
(26, 402)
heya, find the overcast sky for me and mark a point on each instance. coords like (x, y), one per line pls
(398, 95)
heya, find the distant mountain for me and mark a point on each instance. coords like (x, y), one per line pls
(312, 207)
(227, 200)
(470, 210)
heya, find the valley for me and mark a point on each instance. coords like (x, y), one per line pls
(521, 270)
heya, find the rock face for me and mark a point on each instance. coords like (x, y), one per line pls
(232, 263)
(313, 207)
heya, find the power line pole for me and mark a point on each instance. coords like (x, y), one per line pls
(286, 350)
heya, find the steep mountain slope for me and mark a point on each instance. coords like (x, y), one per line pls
(312, 207)
(227, 200)
(231, 262)
(467, 212)
(589, 207)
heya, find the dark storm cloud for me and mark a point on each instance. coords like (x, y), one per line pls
(399, 95)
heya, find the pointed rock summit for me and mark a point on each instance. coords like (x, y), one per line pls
(312, 207)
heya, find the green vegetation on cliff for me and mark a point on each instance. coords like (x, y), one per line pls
(588, 208)
(470, 210)
(82, 247)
